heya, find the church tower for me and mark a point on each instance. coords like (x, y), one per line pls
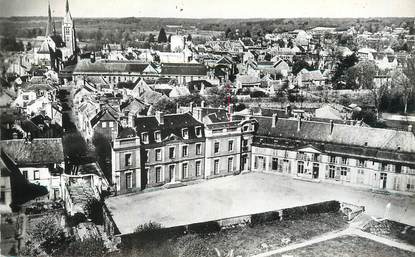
(68, 30)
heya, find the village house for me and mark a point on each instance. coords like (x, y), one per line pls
(40, 160)
(105, 123)
(161, 149)
(228, 140)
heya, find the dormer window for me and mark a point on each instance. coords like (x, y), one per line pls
(245, 128)
(198, 131)
(185, 133)
(157, 136)
(144, 137)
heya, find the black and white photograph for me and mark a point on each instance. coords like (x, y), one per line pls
(207, 128)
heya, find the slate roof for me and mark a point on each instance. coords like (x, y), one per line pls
(248, 79)
(134, 105)
(363, 137)
(311, 75)
(173, 125)
(179, 91)
(151, 97)
(40, 151)
(188, 69)
(103, 115)
(86, 65)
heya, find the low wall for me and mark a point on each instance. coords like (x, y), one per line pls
(217, 225)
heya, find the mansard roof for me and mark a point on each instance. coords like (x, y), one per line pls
(173, 124)
(356, 136)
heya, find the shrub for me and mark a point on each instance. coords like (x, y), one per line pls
(93, 210)
(294, 213)
(264, 217)
(148, 227)
(91, 247)
(205, 227)
(49, 234)
(74, 220)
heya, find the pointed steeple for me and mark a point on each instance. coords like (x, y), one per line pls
(49, 28)
(68, 16)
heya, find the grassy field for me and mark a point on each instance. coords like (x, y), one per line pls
(347, 246)
(244, 240)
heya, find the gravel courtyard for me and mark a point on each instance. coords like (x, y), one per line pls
(245, 194)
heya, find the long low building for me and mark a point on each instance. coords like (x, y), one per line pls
(369, 157)
(113, 72)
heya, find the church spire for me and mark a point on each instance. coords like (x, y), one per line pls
(67, 6)
(49, 28)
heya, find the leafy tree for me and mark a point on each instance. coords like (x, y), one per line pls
(103, 153)
(10, 44)
(222, 96)
(165, 105)
(228, 32)
(74, 147)
(341, 68)
(189, 38)
(186, 100)
(162, 38)
(49, 235)
(93, 210)
(151, 38)
(29, 46)
(247, 33)
(91, 247)
(290, 43)
(98, 35)
(364, 73)
(281, 43)
(299, 65)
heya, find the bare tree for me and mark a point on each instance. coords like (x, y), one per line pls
(408, 85)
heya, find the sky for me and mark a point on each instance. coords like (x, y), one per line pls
(212, 8)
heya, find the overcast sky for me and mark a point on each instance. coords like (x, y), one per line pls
(213, 8)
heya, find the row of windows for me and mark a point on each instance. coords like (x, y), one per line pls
(217, 146)
(158, 155)
(36, 174)
(364, 163)
(110, 124)
(229, 167)
(184, 171)
(157, 135)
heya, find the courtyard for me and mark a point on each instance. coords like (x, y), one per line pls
(246, 194)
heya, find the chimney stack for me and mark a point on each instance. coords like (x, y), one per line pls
(299, 124)
(331, 126)
(160, 117)
(274, 120)
(202, 104)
